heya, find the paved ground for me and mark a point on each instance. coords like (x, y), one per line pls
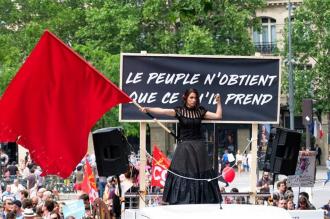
(320, 194)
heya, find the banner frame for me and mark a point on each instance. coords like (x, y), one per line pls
(145, 54)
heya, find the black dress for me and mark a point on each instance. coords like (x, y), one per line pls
(190, 159)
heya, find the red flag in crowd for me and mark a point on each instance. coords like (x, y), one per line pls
(318, 131)
(88, 184)
(52, 103)
(321, 133)
(160, 164)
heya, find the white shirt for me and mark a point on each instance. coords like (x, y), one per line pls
(16, 189)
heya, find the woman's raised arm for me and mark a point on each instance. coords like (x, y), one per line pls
(158, 110)
(218, 113)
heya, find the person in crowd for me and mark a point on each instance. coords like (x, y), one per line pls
(47, 209)
(225, 160)
(273, 199)
(281, 189)
(25, 171)
(4, 159)
(263, 184)
(328, 171)
(16, 188)
(7, 207)
(239, 162)
(11, 215)
(282, 203)
(56, 214)
(264, 136)
(190, 158)
(246, 162)
(18, 209)
(304, 204)
(39, 196)
(13, 170)
(326, 209)
(109, 192)
(32, 182)
(289, 196)
(290, 204)
(27, 158)
(305, 195)
(237, 199)
(230, 143)
(27, 203)
(7, 194)
(78, 177)
(101, 182)
(88, 210)
(24, 194)
(39, 178)
(28, 213)
(318, 153)
(35, 203)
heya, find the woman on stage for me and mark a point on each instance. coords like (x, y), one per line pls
(190, 158)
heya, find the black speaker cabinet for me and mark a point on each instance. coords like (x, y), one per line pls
(282, 151)
(111, 151)
(269, 151)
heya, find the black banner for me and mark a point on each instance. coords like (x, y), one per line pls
(249, 86)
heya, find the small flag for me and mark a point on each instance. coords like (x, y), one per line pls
(315, 128)
(88, 184)
(160, 164)
(321, 133)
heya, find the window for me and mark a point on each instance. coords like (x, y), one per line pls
(265, 41)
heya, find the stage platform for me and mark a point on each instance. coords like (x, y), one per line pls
(209, 211)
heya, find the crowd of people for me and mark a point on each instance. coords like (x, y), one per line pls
(23, 193)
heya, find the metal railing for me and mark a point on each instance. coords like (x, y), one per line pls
(265, 48)
(132, 199)
(50, 183)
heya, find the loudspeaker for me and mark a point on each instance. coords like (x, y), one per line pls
(282, 151)
(111, 151)
(269, 151)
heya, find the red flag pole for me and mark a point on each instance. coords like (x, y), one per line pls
(155, 120)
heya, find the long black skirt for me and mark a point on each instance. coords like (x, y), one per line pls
(190, 159)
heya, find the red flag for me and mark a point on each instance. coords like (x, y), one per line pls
(52, 103)
(321, 130)
(160, 164)
(88, 184)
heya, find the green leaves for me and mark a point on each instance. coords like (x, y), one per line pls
(311, 46)
(100, 30)
(197, 40)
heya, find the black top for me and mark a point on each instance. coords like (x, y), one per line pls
(190, 122)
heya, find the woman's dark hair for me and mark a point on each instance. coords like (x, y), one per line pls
(303, 199)
(50, 205)
(187, 93)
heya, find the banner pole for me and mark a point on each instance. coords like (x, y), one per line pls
(143, 161)
(253, 168)
(156, 121)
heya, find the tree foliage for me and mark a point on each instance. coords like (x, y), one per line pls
(101, 29)
(311, 44)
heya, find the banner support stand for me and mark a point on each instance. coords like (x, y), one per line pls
(253, 168)
(143, 162)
